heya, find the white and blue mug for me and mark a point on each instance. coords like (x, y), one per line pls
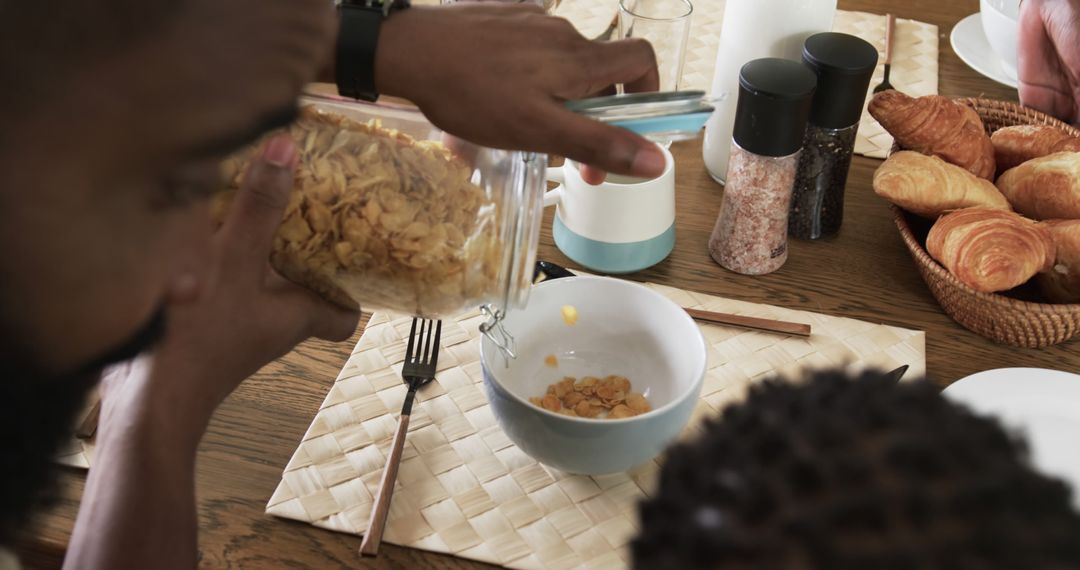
(620, 226)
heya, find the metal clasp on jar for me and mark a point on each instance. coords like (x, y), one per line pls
(496, 332)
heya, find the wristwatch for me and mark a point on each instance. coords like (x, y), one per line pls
(358, 36)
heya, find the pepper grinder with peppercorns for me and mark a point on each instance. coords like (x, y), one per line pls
(843, 64)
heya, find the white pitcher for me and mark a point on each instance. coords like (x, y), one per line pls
(754, 29)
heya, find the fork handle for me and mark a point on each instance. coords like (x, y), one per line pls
(377, 522)
(890, 31)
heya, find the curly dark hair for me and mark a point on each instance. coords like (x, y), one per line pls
(854, 472)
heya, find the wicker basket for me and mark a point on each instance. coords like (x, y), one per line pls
(999, 318)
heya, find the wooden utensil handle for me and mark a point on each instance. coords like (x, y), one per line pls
(782, 327)
(377, 522)
(890, 31)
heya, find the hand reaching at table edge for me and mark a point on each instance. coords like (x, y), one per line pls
(1048, 59)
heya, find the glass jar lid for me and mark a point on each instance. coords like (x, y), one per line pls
(661, 117)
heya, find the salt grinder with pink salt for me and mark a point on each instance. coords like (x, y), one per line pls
(775, 96)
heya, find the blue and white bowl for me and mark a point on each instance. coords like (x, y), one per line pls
(622, 328)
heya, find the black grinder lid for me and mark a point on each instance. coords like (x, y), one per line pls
(774, 104)
(843, 64)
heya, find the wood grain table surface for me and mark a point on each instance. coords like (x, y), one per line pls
(864, 273)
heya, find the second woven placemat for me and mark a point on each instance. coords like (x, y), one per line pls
(465, 489)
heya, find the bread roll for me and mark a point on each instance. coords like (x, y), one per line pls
(1014, 146)
(1045, 188)
(929, 186)
(1061, 284)
(939, 126)
(990, 250)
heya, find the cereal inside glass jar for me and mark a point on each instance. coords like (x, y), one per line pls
(380, 218)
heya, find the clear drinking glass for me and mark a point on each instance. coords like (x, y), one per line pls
(666, 25)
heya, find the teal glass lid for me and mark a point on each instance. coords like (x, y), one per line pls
(661, 117)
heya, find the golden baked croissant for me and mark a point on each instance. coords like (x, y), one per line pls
(990, 250)
(1014, 146)
(1061, 284)
(939, 126)
(929, 186)
(1045, 188)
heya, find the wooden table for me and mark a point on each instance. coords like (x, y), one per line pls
(864, 273)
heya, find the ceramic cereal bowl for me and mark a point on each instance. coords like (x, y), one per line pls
(623, 329)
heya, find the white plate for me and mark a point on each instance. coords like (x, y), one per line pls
(969, 42)
(1044, 405)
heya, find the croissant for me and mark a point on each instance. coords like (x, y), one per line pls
(1014, 146)
(939, 126)
(990, 250)
(1045, 188)
(1061, 284)
(929, 186)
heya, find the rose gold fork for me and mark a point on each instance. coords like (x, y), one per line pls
(890, 31)
(421, 361)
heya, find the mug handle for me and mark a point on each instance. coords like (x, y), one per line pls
(554, 196)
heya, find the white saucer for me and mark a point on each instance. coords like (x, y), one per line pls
(1043, 405)
(969, 42)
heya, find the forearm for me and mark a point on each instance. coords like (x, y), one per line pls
(138, 508)
(498, 75)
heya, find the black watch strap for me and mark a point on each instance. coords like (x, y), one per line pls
(358, 36)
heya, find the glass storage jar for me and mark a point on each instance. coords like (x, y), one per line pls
(389, 212)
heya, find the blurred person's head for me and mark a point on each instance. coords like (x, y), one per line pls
(854, 472)
(114, 116)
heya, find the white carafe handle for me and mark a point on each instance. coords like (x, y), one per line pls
(554, 196)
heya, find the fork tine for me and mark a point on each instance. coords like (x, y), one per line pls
(418, 356)
(412, 337)
(425, 342)
(429, 349)
(435, 351)
(419, 352)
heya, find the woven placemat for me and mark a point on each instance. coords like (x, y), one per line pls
(465, 489)
(78, 452)
(915, 55)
